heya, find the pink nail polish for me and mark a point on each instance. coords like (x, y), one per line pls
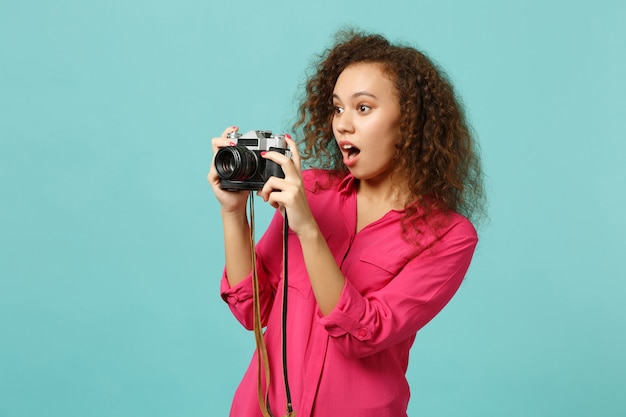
(235, 128)
(287, 135)
(231, 143)
(263, 153)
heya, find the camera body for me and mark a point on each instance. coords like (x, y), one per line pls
(241, 167)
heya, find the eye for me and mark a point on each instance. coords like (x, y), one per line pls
(363, 108)
(338, 110)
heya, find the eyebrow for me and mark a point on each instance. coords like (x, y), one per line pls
(358, 94)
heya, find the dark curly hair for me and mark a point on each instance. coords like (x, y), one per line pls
(436, 151)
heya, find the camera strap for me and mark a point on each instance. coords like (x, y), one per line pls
(290, 412)
(263, 367)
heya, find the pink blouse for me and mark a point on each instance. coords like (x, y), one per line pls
(353, 361)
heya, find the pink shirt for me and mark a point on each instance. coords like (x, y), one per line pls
(353, 361)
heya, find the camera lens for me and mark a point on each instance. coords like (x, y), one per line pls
(235, 163)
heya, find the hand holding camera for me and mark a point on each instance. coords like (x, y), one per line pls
(241, 167)
(239, 164)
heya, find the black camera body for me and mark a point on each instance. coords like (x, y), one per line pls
(241, 167)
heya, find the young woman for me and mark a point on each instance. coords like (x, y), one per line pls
(380, 237)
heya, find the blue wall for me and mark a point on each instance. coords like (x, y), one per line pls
(110, 238)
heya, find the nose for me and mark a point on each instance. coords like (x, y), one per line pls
(343, 122)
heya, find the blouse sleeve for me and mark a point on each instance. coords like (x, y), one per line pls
(364, 324)
(269, 264)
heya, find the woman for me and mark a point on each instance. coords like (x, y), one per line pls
(379, 237)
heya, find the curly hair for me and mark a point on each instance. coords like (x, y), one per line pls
(436, 151)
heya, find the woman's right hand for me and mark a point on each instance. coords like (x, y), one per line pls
(231, 201)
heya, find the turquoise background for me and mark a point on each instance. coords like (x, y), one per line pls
(110, 238)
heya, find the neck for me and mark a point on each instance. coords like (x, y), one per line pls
(383, 193)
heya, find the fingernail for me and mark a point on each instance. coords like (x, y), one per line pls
(231, 143)
(263, 153)
(235, 128)
(287, 135)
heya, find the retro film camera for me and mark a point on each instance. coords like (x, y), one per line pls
(241, 167)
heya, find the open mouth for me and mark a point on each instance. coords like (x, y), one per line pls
(350, 151)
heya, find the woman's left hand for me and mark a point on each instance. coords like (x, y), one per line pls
(288, 193)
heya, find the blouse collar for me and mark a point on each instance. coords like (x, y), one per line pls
(347, 184)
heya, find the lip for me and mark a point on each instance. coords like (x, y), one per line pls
(348, 160)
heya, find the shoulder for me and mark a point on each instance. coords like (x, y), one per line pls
(456, 224)
(439, 223)
(433, 232)
(452, 230)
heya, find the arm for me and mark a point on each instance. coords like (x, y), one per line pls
(363, 325)
(236, 246)
(289, 195)
(236, 288)
(327, 280)
(235, 222)
(269, 267)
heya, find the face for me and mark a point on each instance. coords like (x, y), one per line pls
(365, 121)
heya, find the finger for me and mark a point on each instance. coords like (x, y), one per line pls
(277, 157)
(228, 130)
(217, 143)
(220, 142)
(286, 164)
(295, 154)
(223, 140)
(276, 199)
(272, 184)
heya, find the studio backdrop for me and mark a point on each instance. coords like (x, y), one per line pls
(111, 241)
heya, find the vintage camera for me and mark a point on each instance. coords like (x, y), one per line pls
(241, 167)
